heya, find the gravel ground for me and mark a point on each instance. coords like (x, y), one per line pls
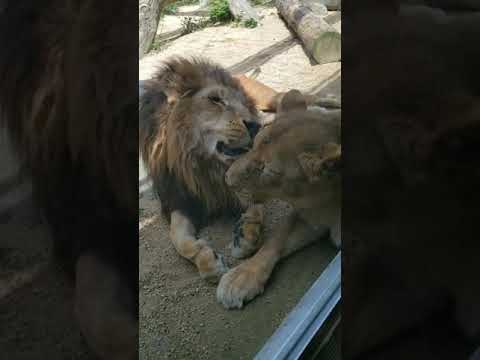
(179, 315)
(36, 313)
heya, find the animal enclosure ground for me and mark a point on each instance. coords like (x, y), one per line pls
(179, 315)
(36, 309)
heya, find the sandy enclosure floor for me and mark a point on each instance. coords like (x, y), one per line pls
(179, 315)
(36, 312)
(36, 309)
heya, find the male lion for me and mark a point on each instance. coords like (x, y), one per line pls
(195, 120)
(68, 100)
(295, 159)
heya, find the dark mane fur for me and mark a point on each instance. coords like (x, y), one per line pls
(70, 113)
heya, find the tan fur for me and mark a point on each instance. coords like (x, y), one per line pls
(266, 99)
(296, 159)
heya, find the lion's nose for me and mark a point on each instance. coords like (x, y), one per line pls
(252, 128)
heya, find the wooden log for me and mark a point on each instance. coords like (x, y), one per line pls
(241, 9)
(321, 40)
(332, 5)
(148, 17)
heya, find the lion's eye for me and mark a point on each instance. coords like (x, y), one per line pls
(215, 99)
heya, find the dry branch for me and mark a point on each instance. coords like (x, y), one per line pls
(148, 17)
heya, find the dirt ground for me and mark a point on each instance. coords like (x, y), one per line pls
(179, 315)
(36, 312)
(36, 315)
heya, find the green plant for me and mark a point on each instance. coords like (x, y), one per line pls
(219, 11)
(261, 2)
(171, 9)
(250, 23)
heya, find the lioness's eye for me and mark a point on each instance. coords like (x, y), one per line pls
(215, 99)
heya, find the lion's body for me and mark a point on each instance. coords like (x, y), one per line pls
(295, 159)
(194, 117)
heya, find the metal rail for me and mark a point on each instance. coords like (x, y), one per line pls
(303, 322)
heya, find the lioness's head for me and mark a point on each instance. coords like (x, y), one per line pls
(299, 150)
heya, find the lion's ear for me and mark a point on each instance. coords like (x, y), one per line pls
(318, 163)
(292, 101)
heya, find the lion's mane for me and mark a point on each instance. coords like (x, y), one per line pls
(182, 177)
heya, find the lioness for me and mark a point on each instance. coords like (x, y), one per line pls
(195, 120)
(295, 159)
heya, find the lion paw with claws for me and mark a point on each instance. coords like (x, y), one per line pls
(241, 284)
(247, 234)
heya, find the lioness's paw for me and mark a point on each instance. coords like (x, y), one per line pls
(247, 236)
(240, 285)
(211, 265)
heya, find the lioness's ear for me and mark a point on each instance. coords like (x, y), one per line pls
(317, 164)
(292, 100)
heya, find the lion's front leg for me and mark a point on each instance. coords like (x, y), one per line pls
(210, 265)
(244, 282)
(247, 232)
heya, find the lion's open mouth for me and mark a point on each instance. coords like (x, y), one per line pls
(222, 148)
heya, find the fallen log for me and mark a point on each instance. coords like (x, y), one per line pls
(320, 39)
(332, 5)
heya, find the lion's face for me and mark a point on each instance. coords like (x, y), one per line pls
(196, 119)
(224, 126)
